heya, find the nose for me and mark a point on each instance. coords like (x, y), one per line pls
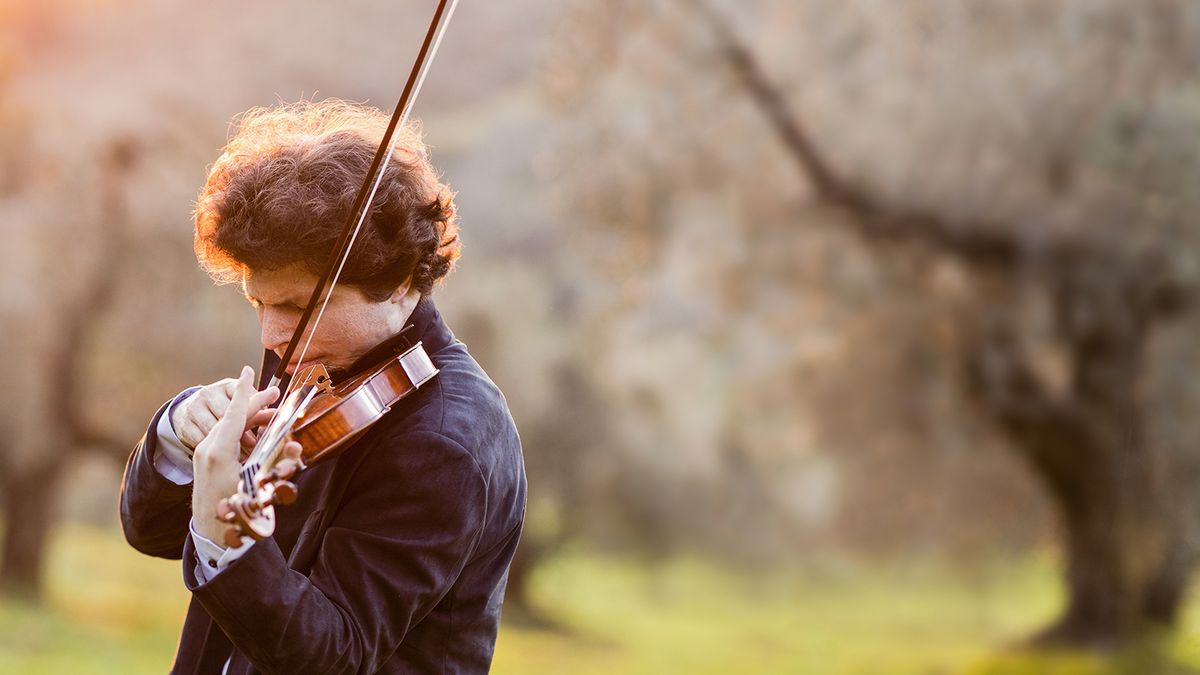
(277, 327)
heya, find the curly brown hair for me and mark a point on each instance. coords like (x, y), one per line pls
(284, 185)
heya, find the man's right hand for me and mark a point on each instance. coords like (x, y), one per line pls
(194, 417)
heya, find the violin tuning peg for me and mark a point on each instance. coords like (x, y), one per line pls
(233, 537)
(285, 493)
(286, 468)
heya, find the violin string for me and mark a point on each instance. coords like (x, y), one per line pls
(272, 438)
(366, 209)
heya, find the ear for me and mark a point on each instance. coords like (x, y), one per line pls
(401, 291)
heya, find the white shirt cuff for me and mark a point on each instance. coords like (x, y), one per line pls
(213, 558)
(173, 459)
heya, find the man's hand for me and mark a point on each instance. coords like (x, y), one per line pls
(216, 462)
(194, 418)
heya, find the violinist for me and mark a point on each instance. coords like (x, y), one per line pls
(395, 554)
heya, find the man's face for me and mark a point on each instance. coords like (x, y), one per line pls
(351, 326)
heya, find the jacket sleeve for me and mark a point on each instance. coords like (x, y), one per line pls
(154, 510)
(412, 517)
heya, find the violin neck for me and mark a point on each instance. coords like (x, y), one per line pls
(269, 448)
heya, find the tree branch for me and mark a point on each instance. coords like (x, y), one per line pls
(979, 241)
(1160, 290)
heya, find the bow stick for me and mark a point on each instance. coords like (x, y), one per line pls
(366, 193)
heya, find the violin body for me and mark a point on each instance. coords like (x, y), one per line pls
(325, 420)
(333, 419)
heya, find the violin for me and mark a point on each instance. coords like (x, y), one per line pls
(325, 419)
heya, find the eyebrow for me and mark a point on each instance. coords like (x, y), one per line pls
(282, 301)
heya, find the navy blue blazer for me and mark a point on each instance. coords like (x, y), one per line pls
(393, 559)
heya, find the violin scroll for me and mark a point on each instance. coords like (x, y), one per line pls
(253, 515)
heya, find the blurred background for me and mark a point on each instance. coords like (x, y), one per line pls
(843, 336)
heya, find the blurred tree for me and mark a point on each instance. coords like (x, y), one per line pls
(71, 292)
(560, 452)
(1128, 554)
(1066, 216)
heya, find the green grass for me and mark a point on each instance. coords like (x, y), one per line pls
(108, 610)
(111, 610)
(688, 616)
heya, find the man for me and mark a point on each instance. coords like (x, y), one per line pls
(395, 555)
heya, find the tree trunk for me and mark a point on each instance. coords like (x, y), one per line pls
(29, 503)
(1108, 578)
(1127, 553)
(1124, 540)
(1122, 578)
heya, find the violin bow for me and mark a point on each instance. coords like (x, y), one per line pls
(366, 192)
(243, 509)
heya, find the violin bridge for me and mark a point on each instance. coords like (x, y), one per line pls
(316, 376)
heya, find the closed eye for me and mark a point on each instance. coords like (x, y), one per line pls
(285, 306)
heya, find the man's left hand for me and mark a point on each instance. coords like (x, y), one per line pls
(216, 462)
